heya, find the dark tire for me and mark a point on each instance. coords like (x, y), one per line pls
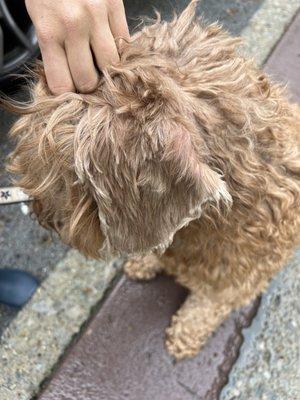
(18, 42)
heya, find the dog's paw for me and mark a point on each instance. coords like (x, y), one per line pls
(182, 341)
(143, 268)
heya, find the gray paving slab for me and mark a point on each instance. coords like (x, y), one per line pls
(35, 340)
(267, 26)
(268, 367)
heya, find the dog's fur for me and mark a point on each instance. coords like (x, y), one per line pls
(185, 150)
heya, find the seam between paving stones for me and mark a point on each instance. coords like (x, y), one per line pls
(231, 391)
(267, 26)
(187, 389)
(49, 322)
(257, 44)
(241, 338)
(262, 60)
(284, 30)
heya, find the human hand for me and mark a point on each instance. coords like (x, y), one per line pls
(76, 37)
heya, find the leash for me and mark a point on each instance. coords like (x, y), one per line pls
(13, 194)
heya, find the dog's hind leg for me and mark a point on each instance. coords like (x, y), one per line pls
(143, 268)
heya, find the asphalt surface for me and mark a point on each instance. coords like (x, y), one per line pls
(23, 243)
(233, 14)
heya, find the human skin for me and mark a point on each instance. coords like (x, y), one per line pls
(77, 38)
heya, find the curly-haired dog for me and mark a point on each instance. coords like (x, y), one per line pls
(186, 156)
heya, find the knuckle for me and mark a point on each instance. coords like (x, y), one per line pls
(60, 89)
(72, 22)
(88, 86)
(45, 36)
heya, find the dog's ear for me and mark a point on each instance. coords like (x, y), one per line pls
(147, 184)
(187, 159)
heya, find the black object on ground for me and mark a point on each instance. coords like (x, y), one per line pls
(16, 287)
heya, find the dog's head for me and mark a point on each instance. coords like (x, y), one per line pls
(124, 168)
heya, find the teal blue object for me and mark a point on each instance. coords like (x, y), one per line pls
(16, 287)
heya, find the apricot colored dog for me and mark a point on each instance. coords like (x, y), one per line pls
(186, 158)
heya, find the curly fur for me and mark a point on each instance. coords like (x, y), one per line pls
(187, 149)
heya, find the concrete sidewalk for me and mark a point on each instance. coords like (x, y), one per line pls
(119, 352)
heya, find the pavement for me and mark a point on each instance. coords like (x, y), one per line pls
(23, 243)
(89, 333)
(268, 367)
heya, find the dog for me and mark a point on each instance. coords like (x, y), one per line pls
(186, 160)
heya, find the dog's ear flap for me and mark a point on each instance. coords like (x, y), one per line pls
(159, 194)
(187, 155)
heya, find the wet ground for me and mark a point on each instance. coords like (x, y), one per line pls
(233, 14)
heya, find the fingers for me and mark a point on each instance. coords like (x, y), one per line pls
(108, 26)
(117, 20)
(81, 64)
(57, 70)
(104, 47)
(71, 33)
